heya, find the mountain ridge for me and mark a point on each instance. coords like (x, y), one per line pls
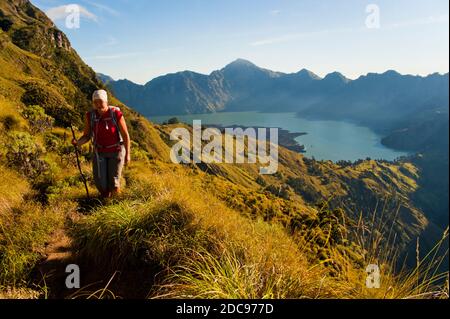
(241, 86)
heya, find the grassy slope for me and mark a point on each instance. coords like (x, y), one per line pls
(302, 183)
(184, 225)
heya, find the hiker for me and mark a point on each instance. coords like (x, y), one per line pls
(106, 126)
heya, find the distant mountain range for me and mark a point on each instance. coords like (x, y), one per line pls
(239, 86)
(243, 86)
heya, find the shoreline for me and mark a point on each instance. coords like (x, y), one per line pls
(285, 137)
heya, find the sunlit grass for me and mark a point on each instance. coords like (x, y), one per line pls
(180, 228)
(23, 231)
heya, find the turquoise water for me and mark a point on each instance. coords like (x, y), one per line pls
(325, 140)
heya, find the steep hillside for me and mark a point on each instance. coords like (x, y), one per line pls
(367, 187)
(39, 67)
(181, 231)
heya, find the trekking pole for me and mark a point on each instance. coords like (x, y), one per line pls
(79, 164)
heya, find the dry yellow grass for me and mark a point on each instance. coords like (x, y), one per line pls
(12, 188)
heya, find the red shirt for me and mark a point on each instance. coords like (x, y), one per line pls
(105, 132)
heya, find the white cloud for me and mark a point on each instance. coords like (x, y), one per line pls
(442, 19)
(275, 12)
(61, 12)
(103, 8)
(422, 21)
(295, 36)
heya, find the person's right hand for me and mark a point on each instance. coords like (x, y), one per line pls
(74, 142)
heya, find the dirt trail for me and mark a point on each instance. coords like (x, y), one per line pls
(59, 253)
(50, 272)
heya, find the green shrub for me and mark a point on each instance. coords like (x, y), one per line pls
(5, 24)
(36, 93)
(138, 154)
(23, 154)
(281, 191)
(66, 154)
(51, 142)
(38, 120)
(173, 120)
(10, 122)
(261, 181)
(304, 189)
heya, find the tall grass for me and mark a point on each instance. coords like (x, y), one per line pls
(195, 246)
(398, 280)
(201, 248)
(206, 275)
(23, 232)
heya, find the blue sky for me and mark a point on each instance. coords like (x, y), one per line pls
(143, 39)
